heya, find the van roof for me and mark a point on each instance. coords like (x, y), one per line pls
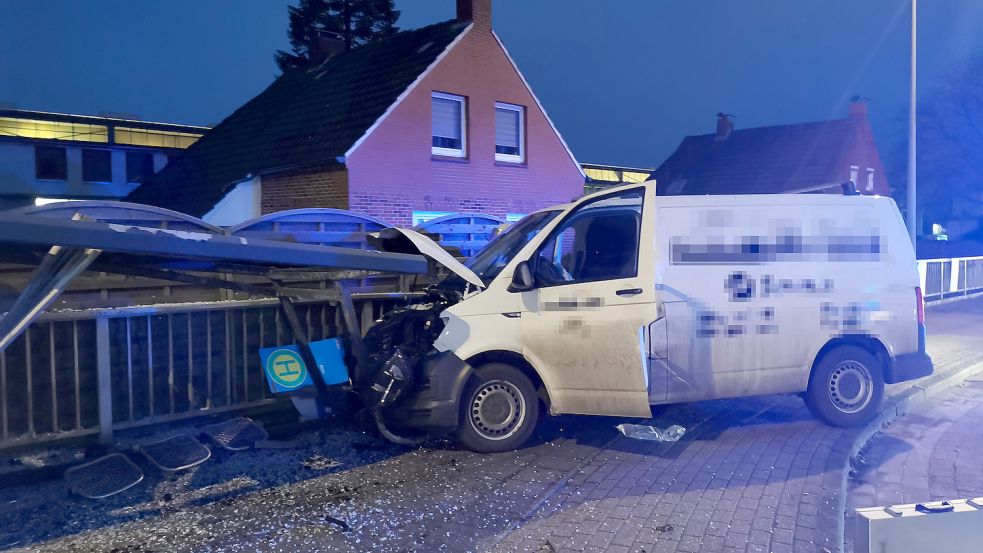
(735, 199)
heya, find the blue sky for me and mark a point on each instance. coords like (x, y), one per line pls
(624, 80)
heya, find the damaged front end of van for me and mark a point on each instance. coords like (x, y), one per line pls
(412, 389)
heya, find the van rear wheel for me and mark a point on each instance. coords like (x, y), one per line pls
(846, 387)
(499, 409)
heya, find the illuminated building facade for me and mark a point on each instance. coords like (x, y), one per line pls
(601, 176)
(53, 156)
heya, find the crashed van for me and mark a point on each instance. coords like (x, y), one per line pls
(624, 299)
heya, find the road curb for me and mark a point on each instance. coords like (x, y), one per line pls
(895, 407)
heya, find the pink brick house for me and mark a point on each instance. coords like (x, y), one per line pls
(433, 120)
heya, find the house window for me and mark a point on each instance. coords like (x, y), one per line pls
(97, 166)
(50, 163)
(447, 114)
(854, 171)
(870, 180)
(510, 140)
(139, 166)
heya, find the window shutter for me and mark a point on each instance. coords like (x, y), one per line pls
(507, 128)
(446, 118)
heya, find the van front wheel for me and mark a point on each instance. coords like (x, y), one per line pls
(846, 387)
(499, 409)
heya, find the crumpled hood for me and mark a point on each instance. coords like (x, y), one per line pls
(403, 240)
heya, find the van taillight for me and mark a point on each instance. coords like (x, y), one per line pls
(920, 302)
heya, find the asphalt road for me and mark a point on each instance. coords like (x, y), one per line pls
(755, 474)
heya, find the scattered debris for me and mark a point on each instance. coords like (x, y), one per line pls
(663, 529)
(645, 432)
(320, 462)
(364, 446)
(342, 524)
(277, 444)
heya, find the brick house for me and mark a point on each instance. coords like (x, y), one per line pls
(799, 158)
(432, 120)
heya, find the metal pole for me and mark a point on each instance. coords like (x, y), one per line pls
(912, 103)
(104, 380)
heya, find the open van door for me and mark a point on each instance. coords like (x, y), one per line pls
(585, 320)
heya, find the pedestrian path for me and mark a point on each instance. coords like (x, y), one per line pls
(930, 454)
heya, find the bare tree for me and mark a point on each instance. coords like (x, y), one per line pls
(950, 147)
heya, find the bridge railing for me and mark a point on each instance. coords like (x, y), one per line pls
(943, 279)
(94, 371)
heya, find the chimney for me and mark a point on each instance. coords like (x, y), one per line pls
(326, 46)
(477, 11)
(725, 126)
(858, 106)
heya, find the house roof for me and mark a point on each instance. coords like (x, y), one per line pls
(782, 158)
(306, 118)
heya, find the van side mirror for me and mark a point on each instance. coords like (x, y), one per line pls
(522, 280)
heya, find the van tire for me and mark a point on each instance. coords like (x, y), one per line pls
(846, 387)
(499, 409)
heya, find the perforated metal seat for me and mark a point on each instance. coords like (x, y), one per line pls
(176, 453)
(236, 434)
(104, 476)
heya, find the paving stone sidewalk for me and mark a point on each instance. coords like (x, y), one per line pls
(754, 474)
(930, 454)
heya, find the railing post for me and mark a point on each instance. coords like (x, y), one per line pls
(923, 275)
(954, 275)
(104, 382)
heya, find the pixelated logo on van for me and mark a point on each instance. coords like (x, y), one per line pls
(741, 286)
(789, 247)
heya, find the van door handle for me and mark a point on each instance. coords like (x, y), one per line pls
(629, 292)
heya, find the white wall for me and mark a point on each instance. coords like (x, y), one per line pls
(240, 204)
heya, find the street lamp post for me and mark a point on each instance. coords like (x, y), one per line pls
(912, 218)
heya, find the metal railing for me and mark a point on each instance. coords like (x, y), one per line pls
(950, 278)
(79, 373)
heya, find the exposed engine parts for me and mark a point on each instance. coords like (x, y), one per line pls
(396, 345)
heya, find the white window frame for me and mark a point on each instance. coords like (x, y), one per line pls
(509, 158)
(870, 179)
(462, 103)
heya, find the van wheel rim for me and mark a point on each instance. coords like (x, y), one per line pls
(851, 387)
(497, 410)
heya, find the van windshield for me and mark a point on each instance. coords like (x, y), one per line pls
(488, 262)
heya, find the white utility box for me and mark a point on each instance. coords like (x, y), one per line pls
(955, 525)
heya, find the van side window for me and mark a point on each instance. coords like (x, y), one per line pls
(598, 241)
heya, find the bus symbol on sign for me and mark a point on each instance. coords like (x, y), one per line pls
(286, 368)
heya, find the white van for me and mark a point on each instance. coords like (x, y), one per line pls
(624, 299)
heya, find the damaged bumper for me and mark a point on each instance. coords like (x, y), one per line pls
(433, 406)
